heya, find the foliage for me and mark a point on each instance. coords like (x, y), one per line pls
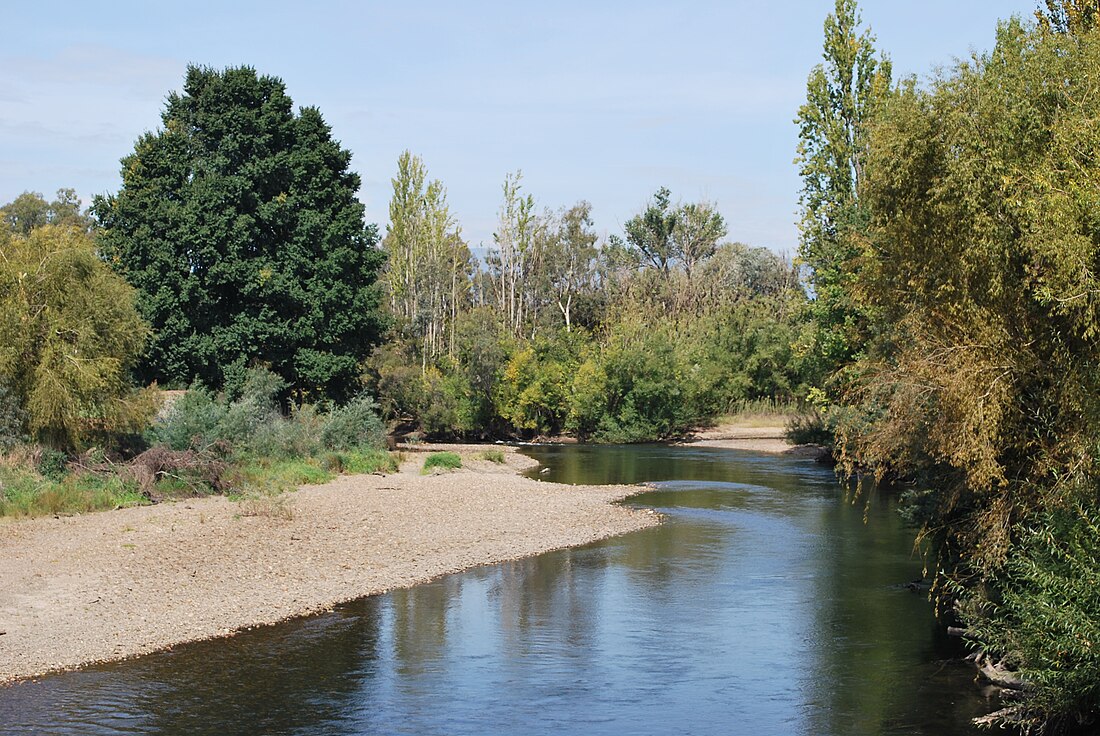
(238, 225)
(354, 425)
(194, 420)
(979, 265)
(443, 460)
(24, 492)
(30, 210)
(69, 335)
(1048, 619)
(842, 97)
(428, 265)
(1069, 16)
(633, 391)
(533, 391)
(253, 424)
(360, 461)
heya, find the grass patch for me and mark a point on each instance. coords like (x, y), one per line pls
(358, 462)
(443, 460)
(493, 456)
(277, 475)
(759, 413)
(28, 493)
(266, 504)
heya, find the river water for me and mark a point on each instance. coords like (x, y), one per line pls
(767, 603)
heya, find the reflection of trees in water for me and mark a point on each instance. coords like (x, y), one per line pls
(641, 463)
(419, 623)
(552, 589)
(871, 634)
(297, 675)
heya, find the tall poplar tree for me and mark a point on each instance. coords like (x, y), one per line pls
(841, 96)
(238, 225)
(428, 266)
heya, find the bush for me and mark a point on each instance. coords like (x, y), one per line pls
(355, 425)
(810, 429)
(299, 435)
(444, 460)
(1048, 619)
(193, 421)
(252, 423)
(51, 464)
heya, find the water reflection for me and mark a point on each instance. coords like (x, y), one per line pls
(765, 604)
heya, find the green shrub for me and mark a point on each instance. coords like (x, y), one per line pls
(1048, 618)
(810, 429)
(51, 463)
(445, 460)
(354, 462)
(24, 492)
(355, 425)
(277, 474)
(193, 420)
(298, 435)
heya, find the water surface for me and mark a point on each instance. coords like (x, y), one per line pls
(766, 604)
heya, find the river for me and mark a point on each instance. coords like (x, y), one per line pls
(767, 603)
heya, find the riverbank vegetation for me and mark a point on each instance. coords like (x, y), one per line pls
(631, 339)
(954, 248)
(939, 327)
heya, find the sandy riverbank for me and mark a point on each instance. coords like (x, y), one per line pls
(770, 439)
(112, 585)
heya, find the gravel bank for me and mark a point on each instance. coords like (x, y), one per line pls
(112, 585)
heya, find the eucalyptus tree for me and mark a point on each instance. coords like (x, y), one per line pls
(515, 257)
(30, 210)
(649, 233)
(695, 234)
(238, 224)
(571, 263)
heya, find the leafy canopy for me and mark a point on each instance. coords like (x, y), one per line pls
(238, 225)
(69, 335)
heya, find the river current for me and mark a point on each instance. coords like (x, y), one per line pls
(767, 603)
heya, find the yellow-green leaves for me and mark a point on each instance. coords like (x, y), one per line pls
(68, 336)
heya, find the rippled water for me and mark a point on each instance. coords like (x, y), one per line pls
(766, 604)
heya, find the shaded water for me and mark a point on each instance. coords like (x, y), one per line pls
(765, 604)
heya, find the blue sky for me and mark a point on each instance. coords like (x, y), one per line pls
(604, 101)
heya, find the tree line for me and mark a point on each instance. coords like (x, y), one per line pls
(951, 232)
(633, 338)
(236, 242)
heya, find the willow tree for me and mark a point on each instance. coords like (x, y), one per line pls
(842, 95)
(69, 336)
(238, 225)
(982, 262)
